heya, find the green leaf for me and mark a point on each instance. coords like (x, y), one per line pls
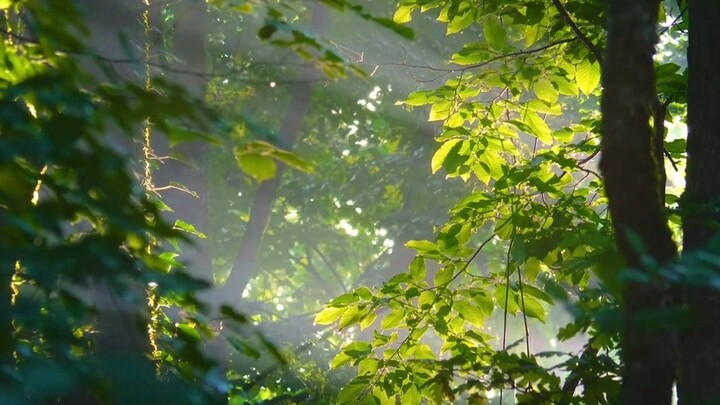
(329, 315)
(364, 293)
(485, 303)
(411, 395)
(442, 154)
(350, 393)
(417, 269)
(532, 268)
(403, 14)
(421, 246)
(587, 76)
(495, 34)
(444, 275)
(545, 91)
(531, 35)
(189, 228)
(538, 127)
(259, 167)
(537, 293)
(357, 350)
(367, 320)
(368, 366)
(440, 110)
(292, 160)
(469, 312)
(243, 347)
(416, 99)
(426, 300)
(393, 319)
(534, 309)
(461, 21)
(566, 87)
(350, 317)
(344, 300)
(177, 135)
(339, 360)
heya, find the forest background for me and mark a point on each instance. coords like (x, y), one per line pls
(247, 202)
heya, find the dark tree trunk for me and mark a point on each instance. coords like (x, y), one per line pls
(7, 343)
(631, 184)
(700, 342)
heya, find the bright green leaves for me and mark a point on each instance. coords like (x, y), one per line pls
(587, 76)
(349, 309)
(517, 126)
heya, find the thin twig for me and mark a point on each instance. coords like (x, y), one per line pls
(525, 321)
(507, 295)
(331, 268)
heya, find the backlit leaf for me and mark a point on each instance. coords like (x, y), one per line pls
(495, 34)
(587, 76)
(442, 154)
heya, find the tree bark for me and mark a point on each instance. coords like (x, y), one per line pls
(631, 185)
(699, 350)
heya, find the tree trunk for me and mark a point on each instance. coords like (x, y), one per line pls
(245, 265)
(699, 349)
(631, 184)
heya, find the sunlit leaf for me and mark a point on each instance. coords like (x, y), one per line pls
(403, 14)
(587, 76)
(538, 127)
(439, 157)
(469, 312)
(329, 315)
(393, 319)
(545, 91)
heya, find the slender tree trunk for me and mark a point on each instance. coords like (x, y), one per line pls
(631, 184)
(245, 265)
(700, 342)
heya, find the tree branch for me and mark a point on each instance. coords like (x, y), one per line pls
(594, 49)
